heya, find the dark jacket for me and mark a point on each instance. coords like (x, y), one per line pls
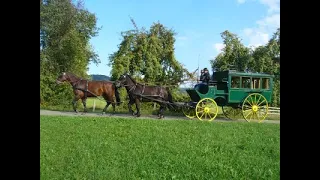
(205, 77)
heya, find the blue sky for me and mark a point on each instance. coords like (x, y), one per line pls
(198, 24)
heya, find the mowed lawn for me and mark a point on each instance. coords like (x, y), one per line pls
(122, 148)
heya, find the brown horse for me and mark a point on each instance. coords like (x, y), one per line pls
(143, 93)
(85, 88)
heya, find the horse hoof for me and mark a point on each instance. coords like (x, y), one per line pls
(138, 115)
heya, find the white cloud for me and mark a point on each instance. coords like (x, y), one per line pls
(265, 27)
(256, 37)
(270, 22)
(218, 47)
(273, 5)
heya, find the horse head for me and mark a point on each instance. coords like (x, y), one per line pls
(62, 78)
(122, 81)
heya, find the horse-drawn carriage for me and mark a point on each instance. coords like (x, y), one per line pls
(237, 93)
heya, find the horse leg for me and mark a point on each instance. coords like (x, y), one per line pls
(106, 107)
(113, 107)
(74, 102)
(137, 101)
(130, 107)
(161, 109)
(84, 102)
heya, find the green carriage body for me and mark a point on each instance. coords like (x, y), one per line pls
(230, 88)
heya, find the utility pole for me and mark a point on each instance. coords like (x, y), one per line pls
(198, 70)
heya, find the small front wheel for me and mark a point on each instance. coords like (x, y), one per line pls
(206, 109)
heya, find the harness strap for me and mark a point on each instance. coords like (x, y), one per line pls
(133, 88)
(86, 90)
(144, 86)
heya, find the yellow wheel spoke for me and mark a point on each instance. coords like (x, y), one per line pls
(259, 99)
(249, 102)
(201, 115)
(261, 102)
(206, 109)
(248, 114)
(256, 112)
(252, 115)
(255, 99)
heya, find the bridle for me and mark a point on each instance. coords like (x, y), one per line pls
(125, 81)
(73, 83)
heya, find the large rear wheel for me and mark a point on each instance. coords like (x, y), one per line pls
(206, 109)
(255, 108)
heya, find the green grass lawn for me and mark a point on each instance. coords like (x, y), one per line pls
(122, 148)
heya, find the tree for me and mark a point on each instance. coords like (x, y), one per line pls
(148, 56)
(263, 59)
(65, 31)
(233, 54)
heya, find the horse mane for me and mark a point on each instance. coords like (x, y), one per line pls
(134, 81)
(72, 76)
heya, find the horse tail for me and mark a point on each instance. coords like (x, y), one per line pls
(116, 93)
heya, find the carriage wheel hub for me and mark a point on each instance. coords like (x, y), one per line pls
(255, 108)
(206, 109)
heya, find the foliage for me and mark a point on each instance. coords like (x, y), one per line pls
(65, 31)
(234, 53)
(148, 56)
(263, 59)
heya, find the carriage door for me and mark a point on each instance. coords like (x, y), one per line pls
(235, 89)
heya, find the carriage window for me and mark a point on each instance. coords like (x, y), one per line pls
(235, 82)
(246, 82)
(265, 83)
(256, 83)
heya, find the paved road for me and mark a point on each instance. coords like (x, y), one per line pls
(64, 113)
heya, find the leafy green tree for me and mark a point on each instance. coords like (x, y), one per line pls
(263, 59)
(148, 56)
(65, 31)
(234, 54)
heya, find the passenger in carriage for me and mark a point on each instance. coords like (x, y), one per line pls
(205, 77)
